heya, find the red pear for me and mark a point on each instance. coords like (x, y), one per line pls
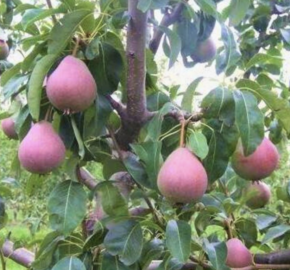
(182, 178)
(238, 255)
(71, 87)
(259, 194)
(42, 150)
(8, 127)
(259, 164)
(205, 51)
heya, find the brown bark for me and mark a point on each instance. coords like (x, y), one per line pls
(135, 115)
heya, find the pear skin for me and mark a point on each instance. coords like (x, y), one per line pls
(259, 164)
(42, 150)
(71, 87)
(182, 178)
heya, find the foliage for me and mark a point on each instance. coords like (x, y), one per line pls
(121, 221)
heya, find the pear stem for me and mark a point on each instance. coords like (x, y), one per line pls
(48, 113)
(228, 229)
(76, 47)
(182, 133)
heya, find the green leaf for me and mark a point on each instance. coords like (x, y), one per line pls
(35, 84)
(154, 126)
(144, 5)
(70, 4)
(78, 137)
(63, 31)
(208, 6)
(197, 143)
(112, 201)
(152, 250)
(217, 254)
(33, 15)
(174, 42)
(222, 141)
(219, 103)
(126, 240)
(261, 59)
(112, 262)
(228, 58)
(137, 171)
(189, 93)
(275, 232)
(178, 238)
(250, 121)
(14, 85)
(238, 10)
(9, 73)
(279, 106)
(44, 255)
(150, 154)
(247, 229)
(67, 206)
(69, 263)
(108, 66)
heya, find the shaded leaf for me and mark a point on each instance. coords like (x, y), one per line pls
(126, 240)
(69, 263)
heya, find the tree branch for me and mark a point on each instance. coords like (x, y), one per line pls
(167, 20)
(54, 20)
(136, 114)
(274, 260)
(21, 256)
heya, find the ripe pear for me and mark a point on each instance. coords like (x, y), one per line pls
(4, 49)
(42, 150)
(8, 127)
(71, 87)
(205, 51)
(259, 164)
(182, 178)
(259, 194)
(238, 255)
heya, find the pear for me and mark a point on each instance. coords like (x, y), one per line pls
(259, 194)
(42, 150)
(260, 164)
(205, 51)
(71, 87)
(182, 178)
(238, 255)
(4, 49)
(8, 127)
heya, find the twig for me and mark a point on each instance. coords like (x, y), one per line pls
(3, 263)
(182, 132)
(54, 20)
(119, 107)
(167, 20)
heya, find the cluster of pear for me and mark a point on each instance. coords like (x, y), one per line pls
(70, 88)
(255, 167)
